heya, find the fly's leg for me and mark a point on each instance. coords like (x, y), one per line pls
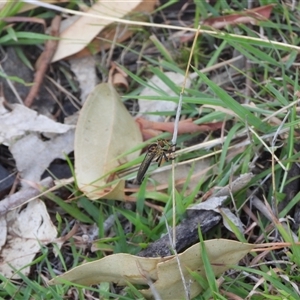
(170, 152)
(161, 157)
(164, 156)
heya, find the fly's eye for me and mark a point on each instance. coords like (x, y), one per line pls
(152, 148)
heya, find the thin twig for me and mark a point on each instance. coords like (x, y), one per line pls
(43, 61)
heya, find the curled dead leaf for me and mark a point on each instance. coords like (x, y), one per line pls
(117, 77)
(151, 128)
(251, 16)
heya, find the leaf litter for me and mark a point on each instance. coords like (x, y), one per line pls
(91, 181)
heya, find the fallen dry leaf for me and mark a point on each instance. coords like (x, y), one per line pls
(117, 77)
(104, 132)
(151, 129)
(120, 32)
(153, 88)
(21, 128)
(163, 272)
(84, 29)
(26, 229)
(84, 69)
(33, 155)
(23, 196)
(21, 120)
(251, 16)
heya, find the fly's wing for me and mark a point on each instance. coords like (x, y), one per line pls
(145, 165)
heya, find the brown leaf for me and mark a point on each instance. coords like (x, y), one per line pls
(186, 126)
(248, 16)
(117, 77)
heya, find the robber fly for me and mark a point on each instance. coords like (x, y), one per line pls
(156, 151)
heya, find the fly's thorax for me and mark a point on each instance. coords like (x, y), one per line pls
(153, 147)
